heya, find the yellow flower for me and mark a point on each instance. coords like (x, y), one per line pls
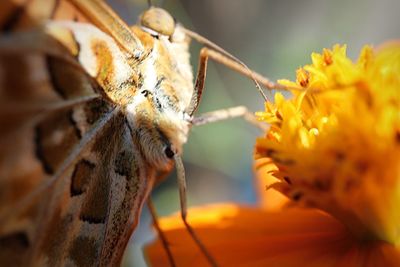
(337, 142)
(334, 151)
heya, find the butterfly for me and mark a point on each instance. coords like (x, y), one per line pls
(93, 113)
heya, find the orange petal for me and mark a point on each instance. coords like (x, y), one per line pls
(245, 236)
(269, 199)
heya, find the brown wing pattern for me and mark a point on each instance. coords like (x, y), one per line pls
(71, 181)
(23, 14)
(94, 211)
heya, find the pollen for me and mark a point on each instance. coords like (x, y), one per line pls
(302, 77)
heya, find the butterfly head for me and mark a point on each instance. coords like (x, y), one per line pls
(158, 20)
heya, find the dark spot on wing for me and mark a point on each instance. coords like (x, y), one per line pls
(57, 86)
(55, 136)
(96, 204)
(84, 251)
(12, 19)
(40, 153)
(95, 110)
(68, 81)
(14, 248)
(81, 177)
(15, 240)
(123, 163)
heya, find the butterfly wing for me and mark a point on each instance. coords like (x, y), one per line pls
(22, 14)
(96, 202)
(72, 182)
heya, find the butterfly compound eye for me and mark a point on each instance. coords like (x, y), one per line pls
(159, 20)
(169, 153)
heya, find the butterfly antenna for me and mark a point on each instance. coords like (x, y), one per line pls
(214, 46)
(149, 3)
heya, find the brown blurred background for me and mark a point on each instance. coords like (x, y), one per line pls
(272, 37)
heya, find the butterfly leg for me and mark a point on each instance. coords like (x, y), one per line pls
(160, 233)
(229, 113)
(207, 53)
(182, 195)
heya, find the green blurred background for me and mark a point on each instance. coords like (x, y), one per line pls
(272, 37)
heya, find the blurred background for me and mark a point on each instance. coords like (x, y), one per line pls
(272, 37)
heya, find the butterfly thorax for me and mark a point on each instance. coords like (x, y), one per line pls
(164, 90)
(153, 92)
